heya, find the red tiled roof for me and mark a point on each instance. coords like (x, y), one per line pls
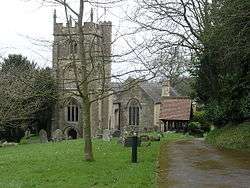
(175, 108)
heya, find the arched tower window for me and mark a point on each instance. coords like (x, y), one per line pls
(134, 112)
(72, 111)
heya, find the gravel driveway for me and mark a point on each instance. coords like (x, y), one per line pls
(194, 164)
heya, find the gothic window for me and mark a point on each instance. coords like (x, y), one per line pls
(73, 111)
(134, 112)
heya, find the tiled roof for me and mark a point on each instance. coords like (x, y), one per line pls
(175, 108)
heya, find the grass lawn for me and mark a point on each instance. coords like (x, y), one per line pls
(231, 137)
(62, 165)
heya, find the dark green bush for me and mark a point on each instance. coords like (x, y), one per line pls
(194, 125)
(195, 128)
(216, 112)
(199, 116)
(198, 124)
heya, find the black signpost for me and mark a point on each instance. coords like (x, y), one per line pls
(134, 149)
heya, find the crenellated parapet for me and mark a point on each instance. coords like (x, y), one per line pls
(101, 28)
(97, 36)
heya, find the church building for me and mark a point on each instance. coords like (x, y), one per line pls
(143, 106)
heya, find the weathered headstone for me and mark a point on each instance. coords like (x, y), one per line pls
(27, 134)
(57, 135)
(106, 135)
(43, 136)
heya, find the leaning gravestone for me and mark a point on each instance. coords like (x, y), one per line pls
(58, 135)
(106, 136)
(43, 136)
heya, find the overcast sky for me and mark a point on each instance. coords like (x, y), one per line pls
(23, 20)
(20, 20)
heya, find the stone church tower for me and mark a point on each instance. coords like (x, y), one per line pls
(68, 110)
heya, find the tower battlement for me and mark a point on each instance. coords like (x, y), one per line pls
(66, 36)
(60, 28)
(103, 27)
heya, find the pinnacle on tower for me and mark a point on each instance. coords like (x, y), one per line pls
(70, 21)
(91, 15)
(54, 16)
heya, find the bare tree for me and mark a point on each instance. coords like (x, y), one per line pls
(173, 65)
(186, 25)
(175, 23)
(87, 71)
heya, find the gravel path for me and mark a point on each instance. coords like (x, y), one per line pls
(193, 164)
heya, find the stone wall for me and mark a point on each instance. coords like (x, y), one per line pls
(157, 108)
(146, 107)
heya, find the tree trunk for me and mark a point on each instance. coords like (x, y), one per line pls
(88, 153)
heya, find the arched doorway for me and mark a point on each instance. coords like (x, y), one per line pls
(72, 133)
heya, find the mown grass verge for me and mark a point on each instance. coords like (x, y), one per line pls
(231, 137)
(62, 165)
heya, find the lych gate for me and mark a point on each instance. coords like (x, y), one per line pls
(175, 113)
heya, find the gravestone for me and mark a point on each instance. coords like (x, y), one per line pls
(43, 136)
(106, 136)
(27, 134)
(58, 135)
